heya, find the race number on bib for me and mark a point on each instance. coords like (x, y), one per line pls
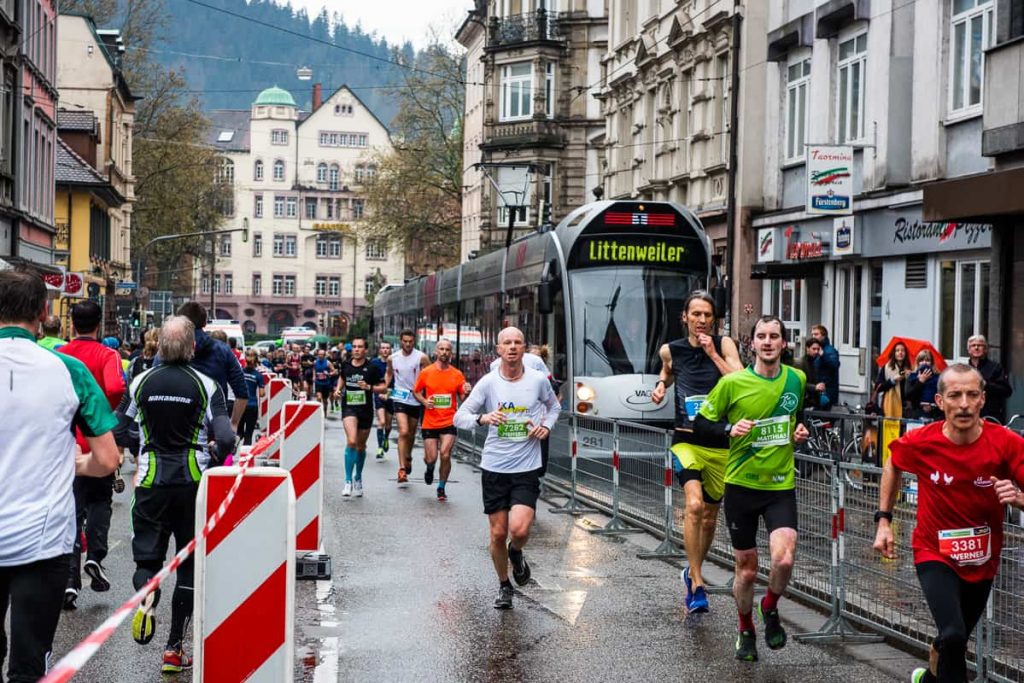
(442, 400)
(355, 398)
(693, 404)
(771, 431)
(514, 429)
(968, 546)
(401, 394)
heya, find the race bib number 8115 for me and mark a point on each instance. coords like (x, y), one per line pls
(771, 431)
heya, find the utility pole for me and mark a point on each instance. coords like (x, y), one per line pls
(213, 278)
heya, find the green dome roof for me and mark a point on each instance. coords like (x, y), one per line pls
(276, 97)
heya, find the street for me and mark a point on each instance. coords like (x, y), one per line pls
(410, 599)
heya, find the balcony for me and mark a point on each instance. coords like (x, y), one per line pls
(528, 134)
(523, 29)
(1003, 122)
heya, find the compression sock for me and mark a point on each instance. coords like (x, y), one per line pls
(181, 613)
(380, 438)
(770, 600)
(440, 484)
(506, 582)
(350, 462)
(747, 621)
(360, 461)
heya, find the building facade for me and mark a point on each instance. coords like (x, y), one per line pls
(532, 127)
(667, 98)
(297, 180)
(901, 83)
(10, 40)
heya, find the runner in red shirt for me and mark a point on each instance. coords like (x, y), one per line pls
(437, 387)
(966, 469)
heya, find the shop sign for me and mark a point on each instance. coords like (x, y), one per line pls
(830, 180)
(799, 248)
(901, 232)
(330, 227)
(768, 244)
(844, 236)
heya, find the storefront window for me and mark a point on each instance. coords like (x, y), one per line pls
(849, 314)
(785, 303)
(964, 305)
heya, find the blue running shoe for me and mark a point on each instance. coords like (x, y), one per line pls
(685, 576)
(699, 602)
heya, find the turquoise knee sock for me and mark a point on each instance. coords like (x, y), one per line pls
(350, 463)
(360, 461)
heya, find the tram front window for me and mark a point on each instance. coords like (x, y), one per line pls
(622, 316)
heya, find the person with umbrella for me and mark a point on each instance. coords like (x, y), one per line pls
(890, 384)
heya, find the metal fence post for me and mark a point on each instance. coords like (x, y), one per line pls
(572, 506)
(836, 628)
(615, 525)
(667, 549)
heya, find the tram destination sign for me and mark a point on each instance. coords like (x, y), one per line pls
(592, 251)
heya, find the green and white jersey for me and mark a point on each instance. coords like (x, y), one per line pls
(763, 458)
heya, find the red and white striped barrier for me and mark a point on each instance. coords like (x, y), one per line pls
(279, 392)
(245, 578)
(302, 455)
(264, 401)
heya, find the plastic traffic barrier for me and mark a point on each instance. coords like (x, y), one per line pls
(302, 455)
(279, 392)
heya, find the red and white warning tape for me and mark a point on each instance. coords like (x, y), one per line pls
(72, 662)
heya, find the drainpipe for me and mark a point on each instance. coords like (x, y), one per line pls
(734, 127)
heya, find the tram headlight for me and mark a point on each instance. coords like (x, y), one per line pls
(585, 393)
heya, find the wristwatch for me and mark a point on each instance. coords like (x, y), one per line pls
(478, 418)
(728, 428)
(882, 514)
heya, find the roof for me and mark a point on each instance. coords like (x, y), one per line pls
(277, 97)
(225, 123)
(76, 120)
(387, 131)
(74, 170)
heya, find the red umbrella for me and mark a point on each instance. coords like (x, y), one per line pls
(914, 346)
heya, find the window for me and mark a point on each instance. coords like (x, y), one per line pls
(321, 173)
(225, 245)
(229, 283)
(334, 286)
(329, 208)
(279, 136)
(257, 284)
(849, 305)
(549, 90)
(376, 250)
(371, 172)
(516, 91)
(964, 294)
(798, 81)
(204, 284)
(785, 301)
(257, 206)
(257, 170)
(278, 169)
(311, 207)
(360, 173)
(852, 60)
(363, 140)
(970, 34)
(291, 207)
(216, 284)
(289, 285)
(278, 244)
(370, 285)
(291, 245)
(357, 209)
(257, 244)
(328, 246)
(321, 285)
(226, 172)
(277, 285)
(278, 206)
(722, 85)
(335, 177)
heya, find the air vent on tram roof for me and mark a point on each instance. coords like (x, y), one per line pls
(916, 275)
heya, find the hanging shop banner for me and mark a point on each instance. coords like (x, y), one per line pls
(830, 180)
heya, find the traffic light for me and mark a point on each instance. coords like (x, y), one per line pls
(545, 213)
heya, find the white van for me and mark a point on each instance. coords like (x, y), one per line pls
(232, 328)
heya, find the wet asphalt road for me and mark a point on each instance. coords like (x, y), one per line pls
(411, 599)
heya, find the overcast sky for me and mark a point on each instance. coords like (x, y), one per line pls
(396, 20)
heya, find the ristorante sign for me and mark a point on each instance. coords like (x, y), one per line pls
(900, 232)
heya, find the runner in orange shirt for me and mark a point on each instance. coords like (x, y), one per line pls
(437, 388)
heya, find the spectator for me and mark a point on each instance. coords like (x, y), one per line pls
(812, 396)
(144, 361)
(997, 385)
(922, 384)
(890, 389)
(826, 368)
(254, 384)
(46, 397)
(51, 334)
(93, 497)
(233, 345)
(215, 360)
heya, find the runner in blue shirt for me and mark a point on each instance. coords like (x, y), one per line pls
(323, 379)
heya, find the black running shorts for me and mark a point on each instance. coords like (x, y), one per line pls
(364, 417)
(385, 403)
(415, 412)
(158, 513)
(436, 433)
(502, 490)
(744, 507)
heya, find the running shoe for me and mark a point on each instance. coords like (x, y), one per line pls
(403, 480)
(387, 444)
(441, 496)
(688, 584)
(746, 646)
(774, 634)
(176, 661)
(699, 602)
(504, 599)
(918, 675)
(380, 453)
(520, 567)
(347, 491)
(100, 582)
(70, 596)
(428, 476)
(118, 481)
(144, 621)
(357, 489)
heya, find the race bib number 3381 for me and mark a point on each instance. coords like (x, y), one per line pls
(970, 546)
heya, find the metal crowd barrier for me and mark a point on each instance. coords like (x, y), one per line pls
(625, 470)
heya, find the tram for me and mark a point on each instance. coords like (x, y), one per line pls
(602, 292)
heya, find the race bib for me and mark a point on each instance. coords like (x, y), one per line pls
(355, 398)
(693, 404)
(970, 546)
(442, 400)
(321, 377)
(514, 429)
(401, 394)
(771, 431)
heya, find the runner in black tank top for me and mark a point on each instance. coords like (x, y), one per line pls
(694, 364)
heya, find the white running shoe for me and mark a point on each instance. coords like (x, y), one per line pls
(358, 489)
(347, 491)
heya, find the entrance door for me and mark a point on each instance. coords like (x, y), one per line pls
(785, 299)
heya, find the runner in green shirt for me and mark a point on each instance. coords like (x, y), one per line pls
(758, 408)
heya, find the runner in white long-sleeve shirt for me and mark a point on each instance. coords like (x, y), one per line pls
(520, 408)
